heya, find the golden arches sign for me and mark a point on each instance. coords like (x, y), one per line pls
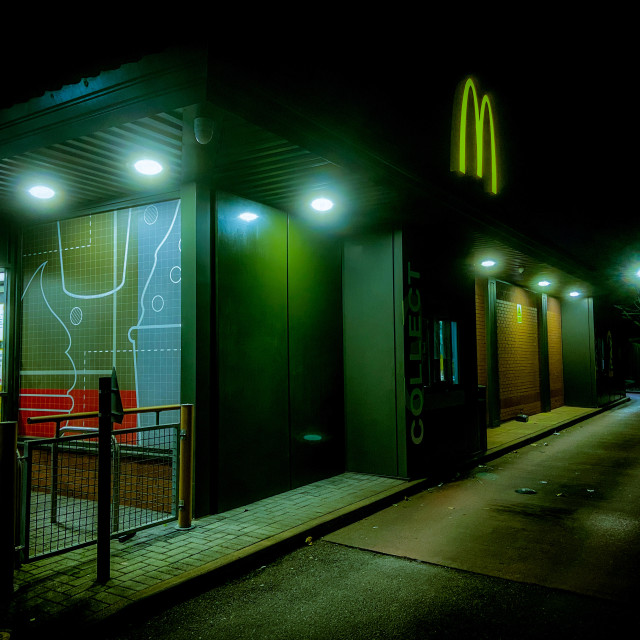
(459, 133)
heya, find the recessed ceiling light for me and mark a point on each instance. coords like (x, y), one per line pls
(574, 294)
(322, 204)
(148, 167)
(488, 263)
(42, 192)
(247, 216)
(544, 283)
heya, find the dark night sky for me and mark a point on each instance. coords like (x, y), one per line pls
(563, 108)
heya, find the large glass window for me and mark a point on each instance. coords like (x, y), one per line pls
(444, 363)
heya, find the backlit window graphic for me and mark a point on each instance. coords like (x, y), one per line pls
(101, 291)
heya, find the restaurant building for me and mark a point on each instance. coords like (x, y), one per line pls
(323, 311)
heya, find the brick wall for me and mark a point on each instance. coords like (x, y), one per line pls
(481, 330)
(517, 352)
(554, 333)
(144, 483)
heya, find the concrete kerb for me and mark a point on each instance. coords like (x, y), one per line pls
(208, 575)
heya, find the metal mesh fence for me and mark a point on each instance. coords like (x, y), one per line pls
(145, 480)
(60, 488)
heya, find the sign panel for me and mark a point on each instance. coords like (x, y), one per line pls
(459, 146)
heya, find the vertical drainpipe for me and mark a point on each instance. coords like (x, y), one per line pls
(543, 354)
(493, 380)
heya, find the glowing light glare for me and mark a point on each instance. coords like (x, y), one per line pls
(312, 437)
(638, 273)
(148, 167)
(42, 192)
(544, 283)
(485, 106)
(488, 263)
(247, 216)
(574, 294)
(322, 204)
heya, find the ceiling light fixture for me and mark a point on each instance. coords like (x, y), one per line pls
(574, 294)
(247, 216)
(42, 192)
(148, 167)
(488, 263)
(322, 204)
(544, 283)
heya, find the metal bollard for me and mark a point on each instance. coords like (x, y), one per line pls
(8, 464)
(184, 485)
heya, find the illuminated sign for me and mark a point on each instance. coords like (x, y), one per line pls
(459, 133)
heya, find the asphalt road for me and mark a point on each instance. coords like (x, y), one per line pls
(331, 592)
(474, 558)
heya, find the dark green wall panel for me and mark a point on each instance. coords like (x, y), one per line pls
(315, 354)
(251, 259)
(578, 353)
(369, 355)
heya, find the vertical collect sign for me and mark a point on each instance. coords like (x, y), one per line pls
(414, 372)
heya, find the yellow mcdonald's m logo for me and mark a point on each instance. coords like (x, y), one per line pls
(459, 132)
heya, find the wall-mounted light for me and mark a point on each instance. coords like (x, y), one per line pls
(247, 216)
(42, 192)
(148, 167)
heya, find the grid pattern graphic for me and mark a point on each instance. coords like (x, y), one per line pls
(101, 291)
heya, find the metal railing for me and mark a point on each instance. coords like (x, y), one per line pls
(101, 483)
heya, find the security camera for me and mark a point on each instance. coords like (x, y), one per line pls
(203, 129)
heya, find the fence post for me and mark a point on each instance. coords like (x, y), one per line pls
(54, 476)
(8, 446)
(184, 485)
(104, 480)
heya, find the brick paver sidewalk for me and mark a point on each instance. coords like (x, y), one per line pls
(156, 559)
